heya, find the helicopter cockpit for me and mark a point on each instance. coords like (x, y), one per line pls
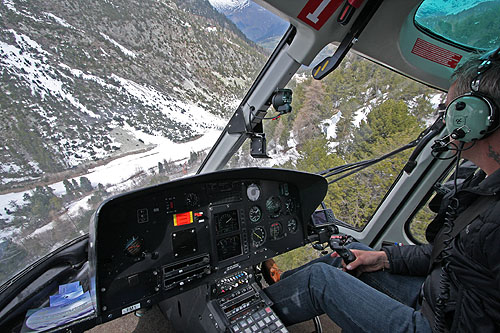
(193, 246)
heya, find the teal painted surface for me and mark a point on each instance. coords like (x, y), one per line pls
(471, 23)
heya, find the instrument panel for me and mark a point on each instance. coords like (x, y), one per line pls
(155, 243)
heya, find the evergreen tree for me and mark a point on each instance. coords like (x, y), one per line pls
(389, 120)
(85, 184)
(76, 187)
(69, 188)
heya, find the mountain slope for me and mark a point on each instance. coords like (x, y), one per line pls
(73, 73)
(257, 23)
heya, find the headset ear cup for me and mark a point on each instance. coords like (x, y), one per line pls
(470, 117)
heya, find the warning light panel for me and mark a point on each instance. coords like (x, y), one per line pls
(170, 205)
(183, 218)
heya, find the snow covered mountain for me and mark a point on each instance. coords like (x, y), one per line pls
(229, 5)
(258, 24)
(74, 74)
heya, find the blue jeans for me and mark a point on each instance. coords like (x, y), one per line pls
(374, 302)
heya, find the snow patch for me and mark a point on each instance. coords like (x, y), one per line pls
(29, 61)
(10, 6)
(361, 115)
(299, 78)
(59, 20)
(9, 167)
(122, 48)
(80, 74)
(75, 207)
(45, 228)
(191, 115)
(330, 125)
(437, 99)
(8, 233)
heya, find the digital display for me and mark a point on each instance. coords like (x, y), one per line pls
(322, 218)
(228, 247)
(183, 218)
(226, 222)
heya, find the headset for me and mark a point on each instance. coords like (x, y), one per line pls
(474, 115)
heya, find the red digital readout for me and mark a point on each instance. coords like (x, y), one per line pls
(183, 218)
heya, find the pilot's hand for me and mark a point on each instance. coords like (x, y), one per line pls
(366, 261)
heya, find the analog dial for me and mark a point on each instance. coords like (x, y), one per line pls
(290, 206)
(255, 214)
(258, 236)
(292, 225)
(226, 223)
(133, 247)
(253, 192)
(273, 206)
(192, 200)
(275, 230)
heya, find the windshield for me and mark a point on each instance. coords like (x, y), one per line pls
(108, 98)
(472, 24)
(102, 99)
(358, 112)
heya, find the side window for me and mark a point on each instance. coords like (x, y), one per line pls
(418, 224)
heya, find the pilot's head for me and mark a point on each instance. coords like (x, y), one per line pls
(473, 114)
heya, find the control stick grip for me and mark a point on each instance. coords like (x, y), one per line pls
(342, 251)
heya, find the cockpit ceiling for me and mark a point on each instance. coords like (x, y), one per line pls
(388, 39)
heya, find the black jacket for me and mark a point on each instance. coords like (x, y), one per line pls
(474, 264)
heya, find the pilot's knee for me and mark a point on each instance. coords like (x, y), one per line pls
(324, 277)
(322, 271)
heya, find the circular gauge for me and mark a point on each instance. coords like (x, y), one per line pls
(253, 192)
(192, 200)
(226, 222)
(258, 236)
(273, 206)
(290, 206)
(275, 230)
(255, 214)
(291, 225)
(133, 247)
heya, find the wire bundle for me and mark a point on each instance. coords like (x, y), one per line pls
(358, 166)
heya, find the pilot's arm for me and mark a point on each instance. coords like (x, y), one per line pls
(409, 259)
(404, 260)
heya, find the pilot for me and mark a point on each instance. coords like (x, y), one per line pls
(411, 288)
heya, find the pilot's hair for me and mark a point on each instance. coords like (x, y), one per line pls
(490, 79)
